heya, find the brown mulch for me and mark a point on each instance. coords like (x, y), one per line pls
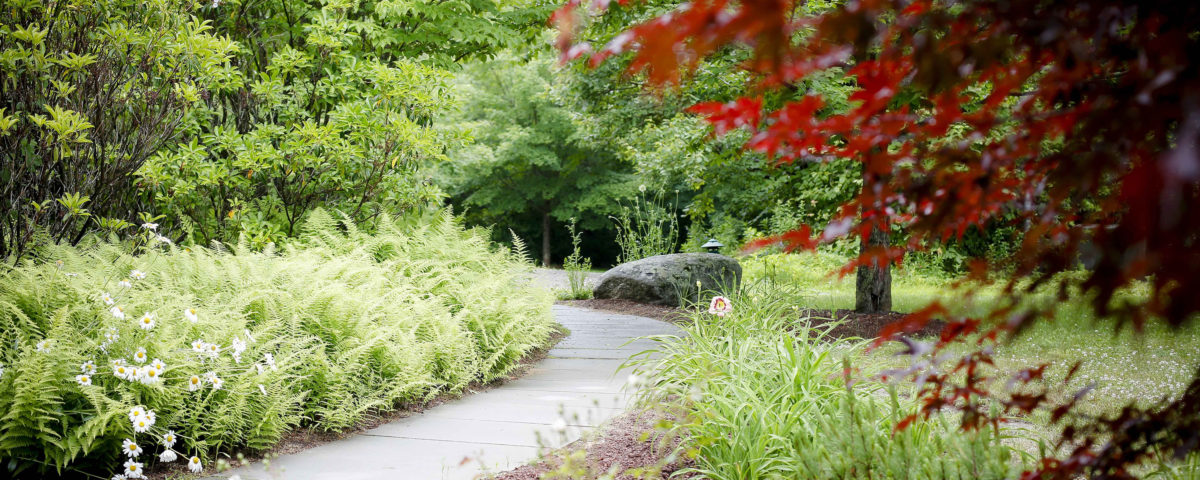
(627, 307)
(856, 325)
(860, 325)
(302, 439)
(632, 440)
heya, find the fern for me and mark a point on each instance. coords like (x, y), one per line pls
(356, 322)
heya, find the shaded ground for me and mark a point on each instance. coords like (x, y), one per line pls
(633, 440)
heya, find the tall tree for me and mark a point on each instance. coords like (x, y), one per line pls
(527, 164)
(1024, 110)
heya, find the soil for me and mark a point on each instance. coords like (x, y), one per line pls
(861, 325)
(855, 325)
(632, 440)
(658, 312)
(305, 438)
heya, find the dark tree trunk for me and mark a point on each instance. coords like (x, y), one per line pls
(873, 287)
(546, 239)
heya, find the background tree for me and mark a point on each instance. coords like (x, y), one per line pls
(1026, 113)
(527, 165)
(324, 105)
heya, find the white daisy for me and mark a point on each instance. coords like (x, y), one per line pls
(168, 439)
(194, 465)
(43, 346)
(83, 380)
(270, 359)
(111, 335)
(163, 239)
(150, 226)
(136, 413)
(134, 469)
(132, 450)
(120, 476)
(151, 375)
(117, 312)
(107, 299)
(137, 275)
(140, 355)
(121, 371)
(191, 315)
(158, 364)
(142, 425)
(147, 321)
(214, 350)
(124, 284)
(194, 383)
(217, 383)
(167, 455)
(88, 367)
(118, 362)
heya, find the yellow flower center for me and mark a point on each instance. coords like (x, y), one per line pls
(132, 447)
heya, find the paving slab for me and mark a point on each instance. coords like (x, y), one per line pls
(579, 382)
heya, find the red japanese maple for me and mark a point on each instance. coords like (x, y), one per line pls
(1062, 103)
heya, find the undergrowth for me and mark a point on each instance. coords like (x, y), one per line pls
(235, 348)
(766, 397)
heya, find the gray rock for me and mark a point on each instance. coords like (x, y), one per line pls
(663, 279)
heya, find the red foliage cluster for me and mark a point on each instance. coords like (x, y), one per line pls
(974, 112)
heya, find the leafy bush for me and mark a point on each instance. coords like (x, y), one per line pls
(91, 90)
(336, 325)
(767, 398)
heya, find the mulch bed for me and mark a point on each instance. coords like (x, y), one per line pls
(856, 325)
(861, 325)
(657, 312)
(630, 440)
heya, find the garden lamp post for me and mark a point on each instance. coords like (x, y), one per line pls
(713, 246)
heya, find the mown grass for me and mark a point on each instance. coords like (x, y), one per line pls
(339, 324)
(1126, 366)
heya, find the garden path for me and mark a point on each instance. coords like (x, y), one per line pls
(494, 430)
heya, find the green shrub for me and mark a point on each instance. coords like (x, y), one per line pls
(338, 324)
(767, 399)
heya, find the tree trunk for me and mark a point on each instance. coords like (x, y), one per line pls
(546, 239)
(873, 287)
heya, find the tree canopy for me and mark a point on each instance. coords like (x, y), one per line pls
(1076, 121)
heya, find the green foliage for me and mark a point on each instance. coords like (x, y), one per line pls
(90, 91)
(577, 267)
(527, 166)
(338, 324)
(766, 397)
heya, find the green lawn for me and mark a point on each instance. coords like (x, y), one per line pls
(1123, 365)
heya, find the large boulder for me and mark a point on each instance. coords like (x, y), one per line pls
(664, 279)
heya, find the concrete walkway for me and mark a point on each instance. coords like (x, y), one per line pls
(495, 430)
